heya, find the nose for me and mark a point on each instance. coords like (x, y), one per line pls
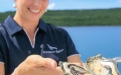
(36, 2)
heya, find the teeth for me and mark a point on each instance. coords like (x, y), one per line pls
(35, 11)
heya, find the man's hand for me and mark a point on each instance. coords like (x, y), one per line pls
(37, 65)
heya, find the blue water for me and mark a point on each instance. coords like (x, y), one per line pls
(93, 40)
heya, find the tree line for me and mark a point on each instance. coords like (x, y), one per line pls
(93, 17)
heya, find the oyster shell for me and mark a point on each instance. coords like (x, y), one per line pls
(99, 65)
(95, 65)
(72, 69)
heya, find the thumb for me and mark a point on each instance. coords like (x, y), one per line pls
(38, 61)
(48, 62)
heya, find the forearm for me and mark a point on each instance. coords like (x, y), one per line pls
(2, 72)
(75, 59)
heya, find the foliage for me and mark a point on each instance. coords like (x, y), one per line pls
(94, 17)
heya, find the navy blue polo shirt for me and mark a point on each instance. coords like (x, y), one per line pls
(49, 42)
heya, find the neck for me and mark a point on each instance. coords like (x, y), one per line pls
(28, 25)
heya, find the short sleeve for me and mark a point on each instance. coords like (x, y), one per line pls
(1, 56)
(1, 53)
(70, 47)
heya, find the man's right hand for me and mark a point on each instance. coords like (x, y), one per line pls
(37, 65)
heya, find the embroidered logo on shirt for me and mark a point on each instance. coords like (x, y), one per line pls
(51, 49)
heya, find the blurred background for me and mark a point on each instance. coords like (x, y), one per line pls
(94, 25)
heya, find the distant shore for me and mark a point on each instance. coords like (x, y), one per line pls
(95, 17)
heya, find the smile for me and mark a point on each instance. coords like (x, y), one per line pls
(34, 11)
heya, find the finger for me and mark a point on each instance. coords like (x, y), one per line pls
(38, 61)
(46, 71)
(79, 64)
(48, 62)
(60, 71)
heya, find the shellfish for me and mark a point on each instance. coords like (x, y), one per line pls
(72, 69)
(98, 65)
(95, 65)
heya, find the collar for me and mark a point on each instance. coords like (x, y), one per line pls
(12, 27)
(42, 25)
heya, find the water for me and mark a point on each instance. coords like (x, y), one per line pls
(93, 40)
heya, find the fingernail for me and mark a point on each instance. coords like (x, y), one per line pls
(52, 64)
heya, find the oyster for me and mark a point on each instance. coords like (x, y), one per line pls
(72, 69)
(99, 65)
(95, 65)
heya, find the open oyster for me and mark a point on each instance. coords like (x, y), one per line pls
(96, 65)
(72, 69)
(99, 65)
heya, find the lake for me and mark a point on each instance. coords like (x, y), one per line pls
(93, 40)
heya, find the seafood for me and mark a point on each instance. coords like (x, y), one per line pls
(99, 65)
(72, 69)
(95, 65)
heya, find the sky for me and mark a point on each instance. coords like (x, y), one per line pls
(7, 5)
